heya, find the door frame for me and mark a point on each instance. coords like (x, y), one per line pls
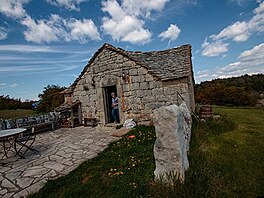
(107, 81)
(107, 103)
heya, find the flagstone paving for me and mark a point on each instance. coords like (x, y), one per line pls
(60, 152)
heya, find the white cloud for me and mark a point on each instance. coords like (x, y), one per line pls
(37, 69)
(256, 24)
(239, 31)
(3, 33)
(202, 74)
(214, 49)
(171, 33)
(260, 8)
(2, 84)
(126, 23)
(59, 29)
(114, 9)
(28, 48)
(19, 69)
(68, 4)
(238, 69)
(229, 69)
(41, 31)
(126, 29)
(13, 85)
(140, 36)
(143, 8)
(256, 52)
(249, 62)
(13, 8)
(239, 2)
(83, 29)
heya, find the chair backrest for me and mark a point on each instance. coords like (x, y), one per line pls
(2, 124)
(47, 118)
(32, 120)
(10, 124)
(21, 122)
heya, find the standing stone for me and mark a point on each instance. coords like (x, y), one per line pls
(173, 131)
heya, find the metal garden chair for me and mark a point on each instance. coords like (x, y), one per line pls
(26, 141)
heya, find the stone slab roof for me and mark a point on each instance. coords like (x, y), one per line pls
(67, 106)
(168, 64)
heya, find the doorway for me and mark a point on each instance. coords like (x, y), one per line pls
(107, 103)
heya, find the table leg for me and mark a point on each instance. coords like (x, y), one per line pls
(5, 153)
(6, 149)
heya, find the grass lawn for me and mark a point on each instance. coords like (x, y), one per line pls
(238, 156)
(6, 114)
(226, 160)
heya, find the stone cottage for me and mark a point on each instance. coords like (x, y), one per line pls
(143, 82)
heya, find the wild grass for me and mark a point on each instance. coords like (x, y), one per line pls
(200, 180)
(6, 114)
(238, 156)
(226, 160)
(124, 169)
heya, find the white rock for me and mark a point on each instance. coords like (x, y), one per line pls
(173, 131)
(187, 126)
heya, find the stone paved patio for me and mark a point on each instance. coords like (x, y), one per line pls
(60, 152)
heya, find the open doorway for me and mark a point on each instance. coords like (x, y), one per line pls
(108, 102)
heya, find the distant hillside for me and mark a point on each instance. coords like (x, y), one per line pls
(12, 103)
(239, 91)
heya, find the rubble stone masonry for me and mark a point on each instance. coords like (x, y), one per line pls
(139, 91)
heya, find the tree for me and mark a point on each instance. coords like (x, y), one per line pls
(50, 98)
(238, 91)
(12, 103)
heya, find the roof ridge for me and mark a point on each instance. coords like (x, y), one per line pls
(157, 59)
(165, 50)
(107, 45)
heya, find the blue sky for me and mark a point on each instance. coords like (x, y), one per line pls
(50, 41)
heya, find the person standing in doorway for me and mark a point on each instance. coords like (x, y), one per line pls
(115, 110)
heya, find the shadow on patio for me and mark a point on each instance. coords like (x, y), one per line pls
(60, 152)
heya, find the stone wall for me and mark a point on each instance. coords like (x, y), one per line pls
(139, 91)
(68, 98)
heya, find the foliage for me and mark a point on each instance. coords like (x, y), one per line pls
(11, 103)
(219, 94)
(254, 82)
(236, 91)
(50, 98)
(18, 113)
(225, 161)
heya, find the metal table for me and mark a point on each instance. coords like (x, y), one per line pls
(11, 136)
